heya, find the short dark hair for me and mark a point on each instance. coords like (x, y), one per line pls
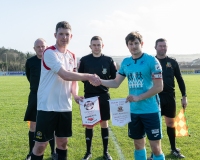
(160, 40)
(96, 38)
(133, 36)
(63, 24)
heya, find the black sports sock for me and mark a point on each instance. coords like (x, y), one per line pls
(88, 137)
(62, 154)
(31, 141)
(52, 145)
(171, 134)
(34, 157)
(105, 135)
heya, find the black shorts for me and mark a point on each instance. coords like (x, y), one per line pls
(103, 104)
(49, 121)
(31, 111)
(168, 104)
(150, 123)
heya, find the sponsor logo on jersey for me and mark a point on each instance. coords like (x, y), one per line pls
(135, 80)
(168, 64)
(104, 71)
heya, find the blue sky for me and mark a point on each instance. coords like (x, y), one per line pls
(22, 22)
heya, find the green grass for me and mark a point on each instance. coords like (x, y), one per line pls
(14, 131)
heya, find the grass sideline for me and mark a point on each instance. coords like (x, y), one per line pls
(14, 131)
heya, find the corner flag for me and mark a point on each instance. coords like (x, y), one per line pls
(181, 124)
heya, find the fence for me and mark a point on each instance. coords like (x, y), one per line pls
(13, 73)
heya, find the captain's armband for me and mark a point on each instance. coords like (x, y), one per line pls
(157, 75)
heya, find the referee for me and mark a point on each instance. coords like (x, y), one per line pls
(33, 68)
(170, 69)
(104, 67)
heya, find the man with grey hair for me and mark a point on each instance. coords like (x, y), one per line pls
(33, 68)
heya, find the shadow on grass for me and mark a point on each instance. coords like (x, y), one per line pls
(48, 158)
(99, 158)
(170, 157)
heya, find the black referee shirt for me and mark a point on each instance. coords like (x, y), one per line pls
(103, 66)
(33, 69)
(171, 69)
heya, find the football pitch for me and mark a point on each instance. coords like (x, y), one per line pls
(14, 92)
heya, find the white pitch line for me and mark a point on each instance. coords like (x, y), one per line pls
(114, 139)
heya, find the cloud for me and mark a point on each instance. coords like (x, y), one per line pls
(114, 28)
(175, 20)
(143, 10)
(117, 21)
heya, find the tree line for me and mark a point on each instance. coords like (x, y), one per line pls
(13, 60)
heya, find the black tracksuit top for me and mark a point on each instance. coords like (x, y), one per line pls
(170, 70)
(33, 69)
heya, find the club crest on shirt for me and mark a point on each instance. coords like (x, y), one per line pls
(168, 64)
(104, 71)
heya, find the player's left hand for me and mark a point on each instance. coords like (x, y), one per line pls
(132, 98)
(77, 99)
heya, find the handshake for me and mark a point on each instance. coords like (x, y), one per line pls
(94, 80)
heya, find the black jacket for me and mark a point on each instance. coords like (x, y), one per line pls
(33, 69)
